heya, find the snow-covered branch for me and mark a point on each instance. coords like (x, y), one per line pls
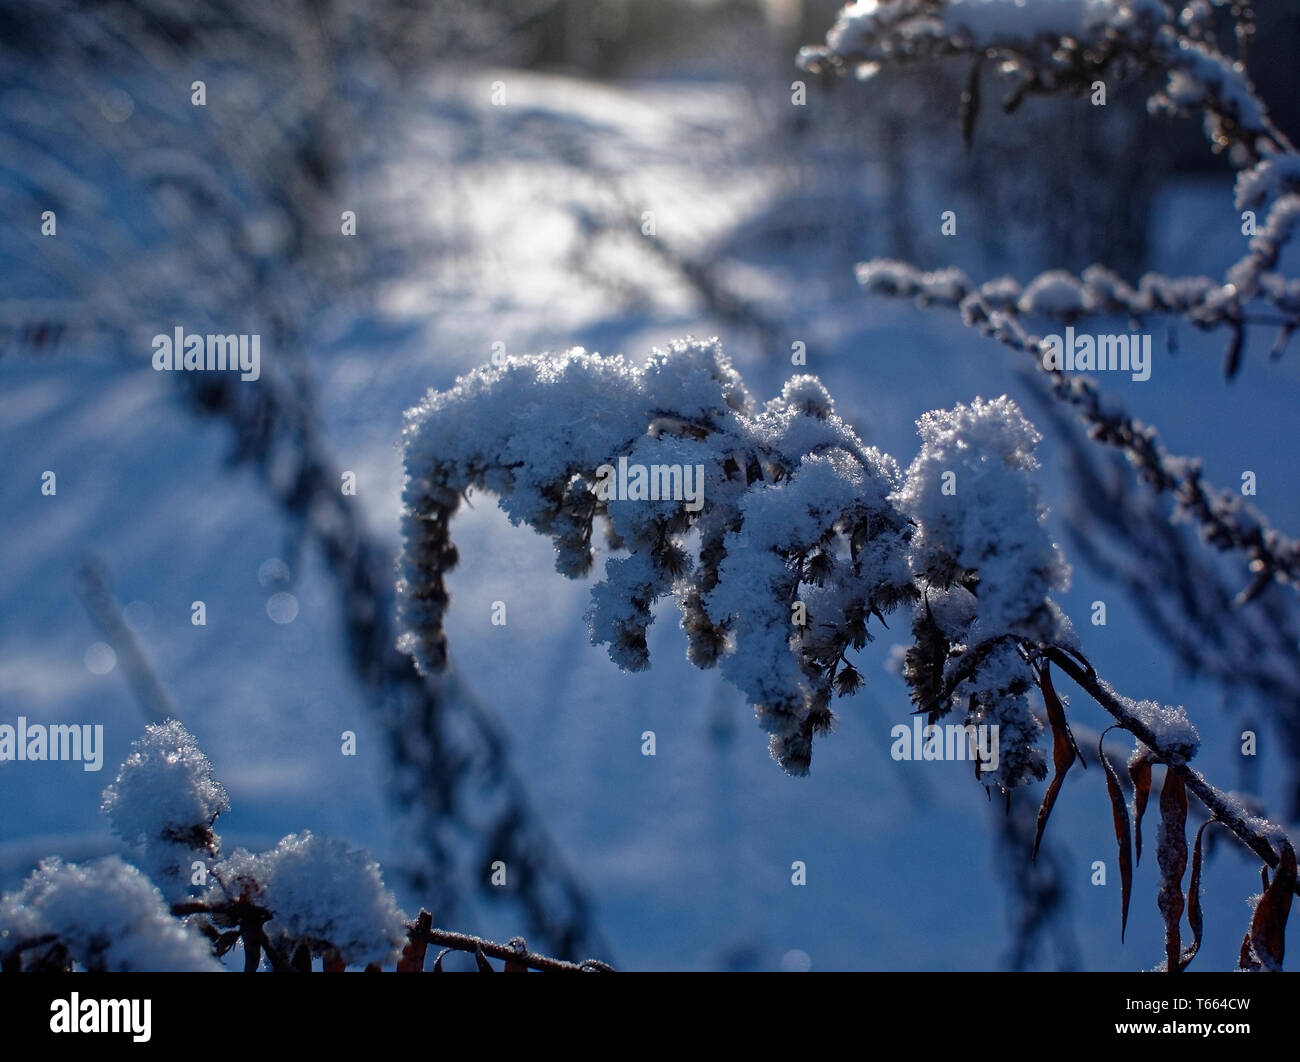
(309, 897)
(792, 537)
(993, 309)
(1071, 46)
(796, 541)
(796, 538)
(1063, 46)
(1171, 739)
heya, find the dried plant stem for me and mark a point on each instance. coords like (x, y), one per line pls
(512, 954)
(1253, 832)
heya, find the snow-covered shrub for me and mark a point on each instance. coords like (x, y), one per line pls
(797, 536)
(104, 915)
(308, 891)
(795, 546)
(804, 536)
(1044, 46)
(318, 893)
(164, 803)
(307, 897)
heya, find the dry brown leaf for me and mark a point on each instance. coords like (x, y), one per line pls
(1123, 835)
(1064, 751)
(1265, 941)
(1172, 857)
(1194, 914)
(1139, 772)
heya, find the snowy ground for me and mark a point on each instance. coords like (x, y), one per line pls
(687, 854)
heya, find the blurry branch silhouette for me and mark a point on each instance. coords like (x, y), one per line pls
(230, 212)
(1039, 886)
(97, 595)
(614, 216)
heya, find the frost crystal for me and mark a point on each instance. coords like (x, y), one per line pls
(1055, 293)
(1176, 738)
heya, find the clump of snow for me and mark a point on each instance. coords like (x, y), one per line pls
(1001, 293)
(992, 21)
(166, 784)
(106, 914)
(980, 22)
(1174, 293)
(1201, 76)
(976, 509)
(319, 892)
(1175, 736)
(1283, 219)
(1107, 291)
(1055, 293)
(987, 568)
(164, 802)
